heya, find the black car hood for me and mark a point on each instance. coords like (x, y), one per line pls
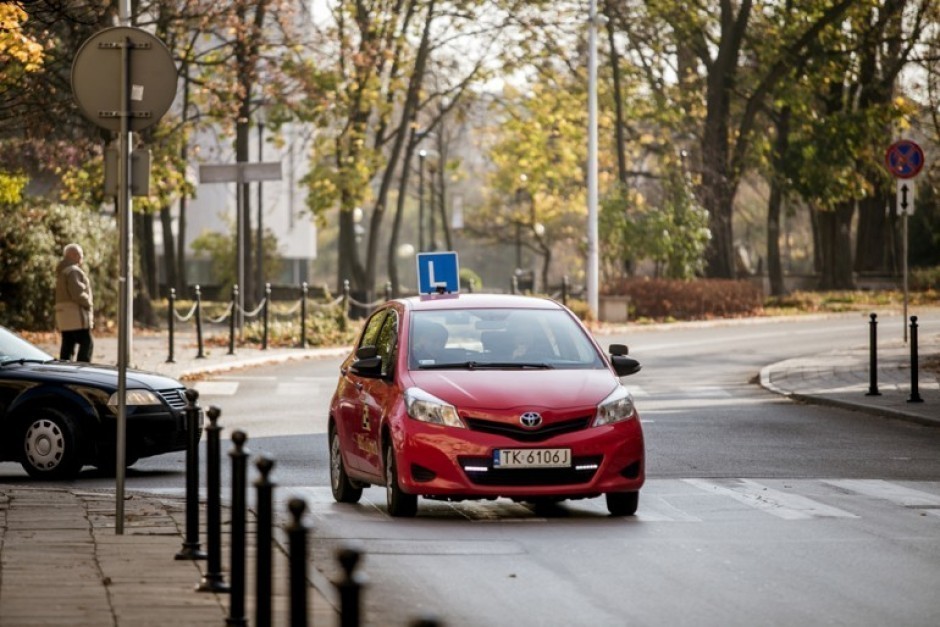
(100, 376)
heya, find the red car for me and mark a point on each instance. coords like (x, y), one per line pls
(479, 396)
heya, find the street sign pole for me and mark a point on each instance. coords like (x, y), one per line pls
(905, 159)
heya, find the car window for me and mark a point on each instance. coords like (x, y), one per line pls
(373, 326)
(386, 341)
(14, 347)
(499, 336)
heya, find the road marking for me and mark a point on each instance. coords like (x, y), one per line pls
(891, 492)
(780, 504)
(238, 377)
(217, 388)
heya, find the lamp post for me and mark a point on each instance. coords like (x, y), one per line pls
(422, 155)
(593, 263)
(259, 254)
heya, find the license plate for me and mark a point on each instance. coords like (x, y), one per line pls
(532, 458)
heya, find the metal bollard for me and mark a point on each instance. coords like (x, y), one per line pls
(297, 545)
(193, 414)
(201, 354)
(388, 291)
(350, 587)
(346, 303)
(213, 580)
(267, 306)
(564, 290)
(236, 608)
(873, 356)
(171, 322)
(231, 322)
(263, 550)
(514, 285)
(915, 392)
(303, 315)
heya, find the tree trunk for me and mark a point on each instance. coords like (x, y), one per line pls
(774, 202)
(835, 230)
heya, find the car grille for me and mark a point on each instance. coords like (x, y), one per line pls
(518, 433)
(582, 470)
(174, 398)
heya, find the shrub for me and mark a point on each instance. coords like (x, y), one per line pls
(665, 299)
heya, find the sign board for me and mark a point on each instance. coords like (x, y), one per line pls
(905, 201)
(904, 159)
(438, 273)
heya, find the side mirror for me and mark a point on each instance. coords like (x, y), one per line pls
(367, 363)
(623, 365)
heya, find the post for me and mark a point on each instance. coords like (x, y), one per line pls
(873, 356)
(564, 290)
(297, 543)
(264, 537)
(514, 284)
(346, 303)
(422, 154)
(388, 291)
(231, 322)
(303, 315)
(171, 322)
(915, 375)
(239, 456)
(201, 354)
(267, 306)
(213, 580)
(592, 184)
(350, 587)
(191, 549)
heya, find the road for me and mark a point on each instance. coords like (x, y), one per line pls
(757, 510)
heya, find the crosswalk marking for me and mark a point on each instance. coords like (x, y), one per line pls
(783, 505)
(891, 492)
(217, 388)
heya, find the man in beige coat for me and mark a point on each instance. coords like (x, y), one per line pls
(74, 305)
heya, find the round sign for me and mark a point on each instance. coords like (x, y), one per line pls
(904, 159)
(96, 78)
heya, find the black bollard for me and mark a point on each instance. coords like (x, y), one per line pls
(213, 580)
(171, 322)
(267, 307)
(346, 303)
(193, 414)
(263, 552)
(231, 322)
(201, 354)
(350, 587)
(915, 392)
(303, 315)
(873, 356)
(297, 545)
(236, 608)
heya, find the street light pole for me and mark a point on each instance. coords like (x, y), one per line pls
(593, 263)
(422, 154)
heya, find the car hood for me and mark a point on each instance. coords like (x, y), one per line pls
(506, 389)
(100, 376)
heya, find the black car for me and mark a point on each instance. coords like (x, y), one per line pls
(57, 416)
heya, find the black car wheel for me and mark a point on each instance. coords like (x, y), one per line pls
(623, 503)
(400, 504)
(51, 446)
(344, 491)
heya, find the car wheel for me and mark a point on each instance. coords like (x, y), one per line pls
(51, 446)
(400, 504)
(622, 503)
(344, 491)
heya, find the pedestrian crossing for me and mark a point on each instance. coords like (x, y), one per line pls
(294, 386)
(689, 500)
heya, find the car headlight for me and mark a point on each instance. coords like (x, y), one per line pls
(617, 407)
(428, 408)
(135, 397)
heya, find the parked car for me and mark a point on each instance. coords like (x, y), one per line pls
(58, 416)
(477, 396)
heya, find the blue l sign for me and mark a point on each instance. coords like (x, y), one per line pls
(438, 273)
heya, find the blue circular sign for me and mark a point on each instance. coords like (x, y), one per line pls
(904, 159)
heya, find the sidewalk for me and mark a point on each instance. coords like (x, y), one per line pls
(61, 562)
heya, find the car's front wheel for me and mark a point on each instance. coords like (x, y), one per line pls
(400, 504)
(622, 503)
(51, 446)
(344, 491)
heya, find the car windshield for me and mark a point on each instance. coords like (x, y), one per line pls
(13, 348)
(499, 338)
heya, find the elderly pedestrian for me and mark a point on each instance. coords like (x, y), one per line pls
(74, 305)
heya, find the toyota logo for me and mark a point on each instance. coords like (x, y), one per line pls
(530, 419)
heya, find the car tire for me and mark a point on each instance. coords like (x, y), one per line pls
(51, 446)
(400, 504)
(344, 490)
(622, 503)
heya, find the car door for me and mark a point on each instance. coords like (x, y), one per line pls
(379, 395)
(349, 405)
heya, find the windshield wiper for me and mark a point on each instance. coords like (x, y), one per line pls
(480, 365)
(22, 360)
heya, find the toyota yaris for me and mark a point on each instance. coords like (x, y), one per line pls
(477, 396)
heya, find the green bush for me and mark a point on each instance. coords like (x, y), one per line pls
(32, 236)
(923, 279)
